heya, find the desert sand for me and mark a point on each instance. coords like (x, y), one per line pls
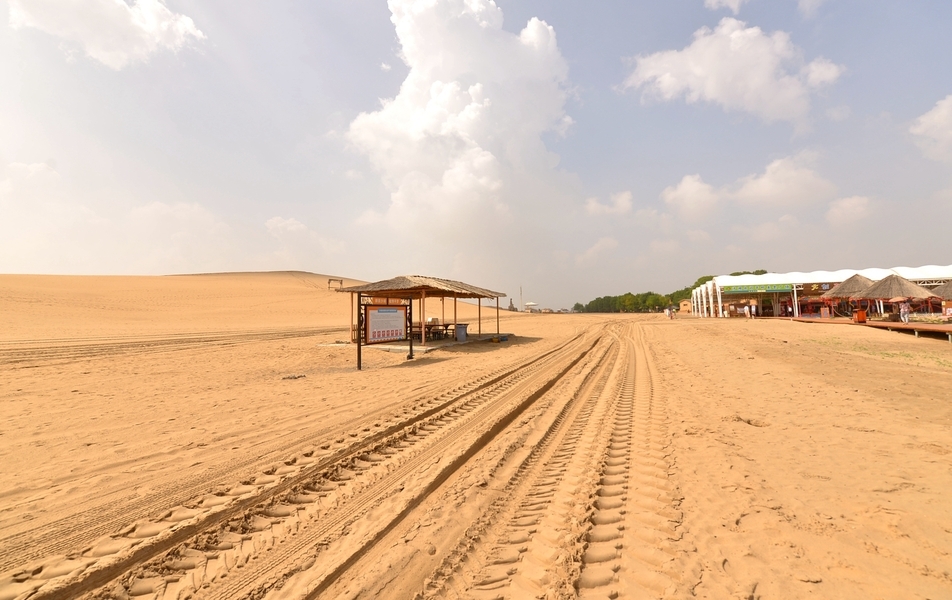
(207, 436)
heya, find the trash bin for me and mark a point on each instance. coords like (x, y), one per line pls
(461, 332)
(859, 316)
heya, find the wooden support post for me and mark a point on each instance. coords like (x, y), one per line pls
(358, 332)
(352, 317)
(497, 315)
(423, 317)
(454, 316)
(479, 315)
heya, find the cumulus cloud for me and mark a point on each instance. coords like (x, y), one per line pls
(845, 211)
(739, 68)
(620, 204)
(734, 5)
(384, 67)
(114, 32)
(600, 247)
(462, 140)
(933, 131)
(692, 198)
(785, 181)
(789, 181)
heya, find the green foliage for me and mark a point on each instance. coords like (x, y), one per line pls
(647, 301)
(644, 302)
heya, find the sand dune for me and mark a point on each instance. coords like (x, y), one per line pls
(159, 441)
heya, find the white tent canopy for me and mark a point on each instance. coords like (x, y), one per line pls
(707, 302)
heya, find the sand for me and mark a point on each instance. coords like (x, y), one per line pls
(158, 440)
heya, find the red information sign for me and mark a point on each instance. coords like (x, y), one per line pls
(385, 324)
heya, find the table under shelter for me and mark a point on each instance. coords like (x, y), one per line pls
(403, 291)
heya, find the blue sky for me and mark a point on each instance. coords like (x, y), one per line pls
(573, 149)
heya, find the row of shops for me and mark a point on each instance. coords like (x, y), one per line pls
(800, 294)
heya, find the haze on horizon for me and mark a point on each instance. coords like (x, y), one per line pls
(575, 150)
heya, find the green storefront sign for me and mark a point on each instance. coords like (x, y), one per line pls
(757, 289)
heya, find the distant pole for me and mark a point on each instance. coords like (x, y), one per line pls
(520, 299)
(497, 315)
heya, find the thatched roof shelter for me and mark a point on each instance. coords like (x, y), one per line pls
(853, 286)
(895, 286)
(944, 291)
(419, 286)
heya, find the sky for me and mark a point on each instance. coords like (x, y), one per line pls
(567, 149)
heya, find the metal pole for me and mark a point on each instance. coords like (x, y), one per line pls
(479, 315)
(359, 320)
(352, 316)
(497, 315)
(455, 334)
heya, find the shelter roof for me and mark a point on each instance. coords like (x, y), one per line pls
(944, 291)
(895, 286)
(851, 287)
(418, 285)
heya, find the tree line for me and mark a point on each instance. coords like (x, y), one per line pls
(647, 301)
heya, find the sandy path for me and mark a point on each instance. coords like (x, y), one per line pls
(590, 456)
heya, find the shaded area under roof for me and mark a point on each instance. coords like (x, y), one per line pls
(853, 286)
(895, 286)
(944, 291)
(416, 286)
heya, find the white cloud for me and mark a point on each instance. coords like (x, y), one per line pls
(462, 140)
(739, 68)
(845, 211)
(620, 204)
(785, 181)
(114, 32)
(734, 5)
(809, 7)
(789, 181)
(697, 235)
(279, 225)
(692, 198)
(384, 67)
(933, 131)
(603, 245)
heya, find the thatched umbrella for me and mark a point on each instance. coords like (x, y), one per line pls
(856, 284)
(944, 291)
(895, 286)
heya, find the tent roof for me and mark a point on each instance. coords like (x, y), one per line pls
(416, 286)
(944, 291)
(895, 286)
(925, 273)
(851, 287)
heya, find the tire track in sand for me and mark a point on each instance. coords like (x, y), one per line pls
(632, 546)
(110, 521)
(527, 546)
(293, 532)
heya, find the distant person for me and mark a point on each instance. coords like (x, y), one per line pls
(747, 311)
(753, 311)
(904, 310)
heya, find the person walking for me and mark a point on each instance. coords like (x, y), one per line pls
(904, 310)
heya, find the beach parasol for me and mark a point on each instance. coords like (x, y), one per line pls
(849, 288)
(895, 286)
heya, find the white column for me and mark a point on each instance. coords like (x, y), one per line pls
(720, 302)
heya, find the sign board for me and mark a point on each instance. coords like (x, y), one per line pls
(757, 289)
(385, 324)
(816, 289)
